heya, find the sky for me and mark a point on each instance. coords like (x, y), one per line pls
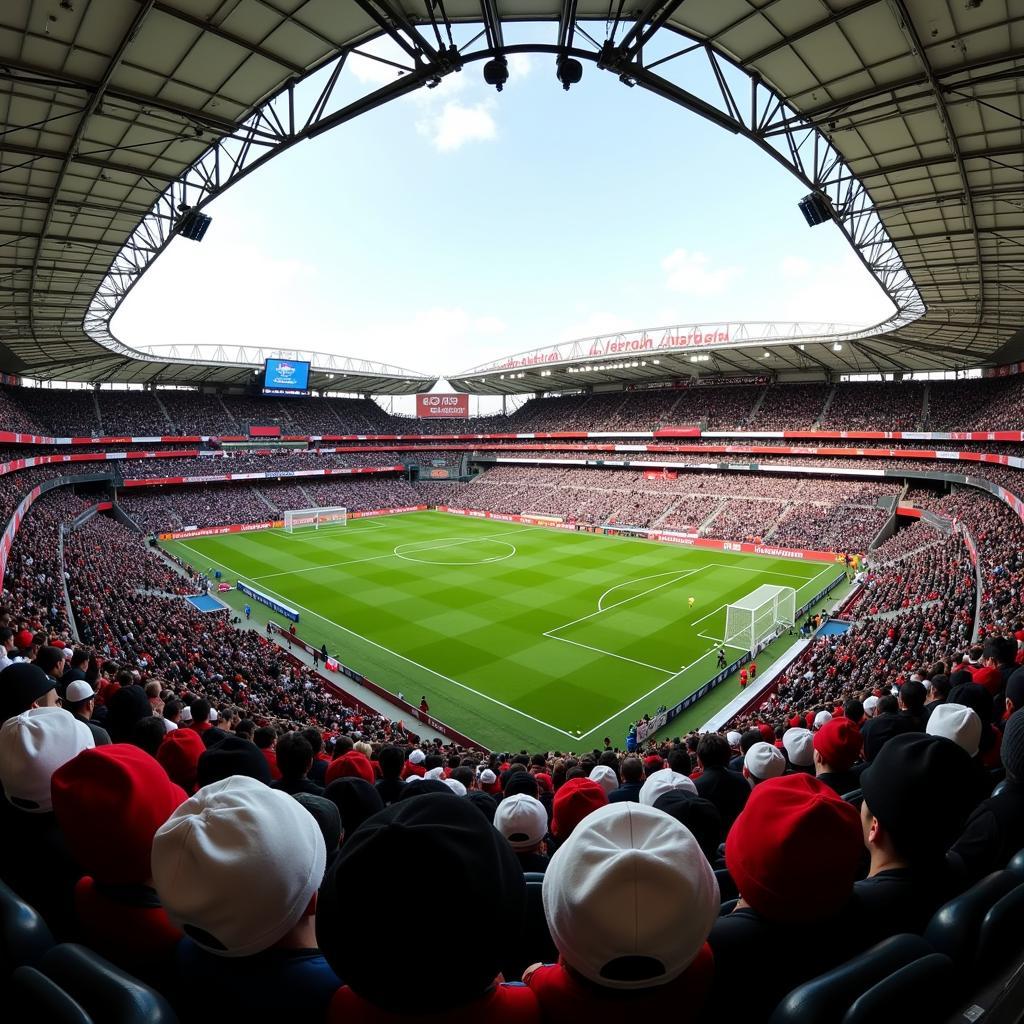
(458, 225)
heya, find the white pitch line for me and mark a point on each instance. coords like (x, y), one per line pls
(609, 654)
(639, 579)
(401, 657)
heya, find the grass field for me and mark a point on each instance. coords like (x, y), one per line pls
(520, 636)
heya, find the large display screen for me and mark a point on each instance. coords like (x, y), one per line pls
(434, 406)
(286, 377)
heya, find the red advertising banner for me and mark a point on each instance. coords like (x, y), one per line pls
(264, 431)
(442, 407)
(661, 474)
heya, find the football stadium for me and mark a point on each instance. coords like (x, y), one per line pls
(676, 668)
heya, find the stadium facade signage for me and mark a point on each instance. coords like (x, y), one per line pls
(432, 406)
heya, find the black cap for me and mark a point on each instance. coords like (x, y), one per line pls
(699, 815)
(877, 732)
(470, 871)
(1014, 688)
(484, 802)
(1012, 750)
(355, 799)
(327, 818)
(124, 709)
(21, 685)
(232, 756)
(921, 788)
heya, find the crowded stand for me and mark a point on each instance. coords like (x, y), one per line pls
(790, 407)
(981, 404)
(875, 407)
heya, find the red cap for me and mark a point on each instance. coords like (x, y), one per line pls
(109, 802)
(23, 641)
(573, 802)
(795, 850)
(350, 765)
(653, 763)
(179, 754)
(544, 782)
(767, 732)
(838, 742)
(990, 678)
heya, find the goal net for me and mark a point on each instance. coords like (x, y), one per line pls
(754, 617)
(314, 518)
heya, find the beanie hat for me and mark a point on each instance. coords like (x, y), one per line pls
(109, 802)
(23, 641)
(1012, 750)
(356, 801)
(229, 756)
(125, 708)
(765, 761)
(544, 782)
(21, 685)
(766, 731)
(663, 782)
(605, 778)
(522, 820)
(573, 802)
(630, 863)
(472, 873)
(653, 763)
(232, 840)
(795, 850)
(179, 753)
(921, 788)
(957, 723)
(838, 744)
(799, 747)
(870, 703)
(519, 782)
(822, 718)
(417, 757)
(734, 738)
(351, 764)
(327, 818)
(990, 678)
(33, 745)
(699, 815)
(484, 803)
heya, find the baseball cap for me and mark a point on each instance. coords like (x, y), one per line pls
(573, 802)
(799, 747)
(764, 761)
(78, 692)
(838, 743)
(604, 777)
(233, 839)
(21, 685)
(630, 862)
(662, 782)
(522, 820)
(957, 723)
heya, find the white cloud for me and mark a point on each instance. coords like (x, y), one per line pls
(691, 273)
(456, 124)
(519, 65)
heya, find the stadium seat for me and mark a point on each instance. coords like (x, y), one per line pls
(920, 990)
(827, 998)
(1017, 863)
(24, 935)
(955, 928)
(536, 945)
(49, 1002)
(77, 986)
(726, 886)
(855, 797)
(1000, 937)
(999, 787)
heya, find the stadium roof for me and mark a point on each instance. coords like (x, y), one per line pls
(903, 116)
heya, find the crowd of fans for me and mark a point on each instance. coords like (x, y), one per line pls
(875, 407)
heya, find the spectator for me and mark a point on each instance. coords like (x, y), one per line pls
(837, 747)
(233, 839)
(632, 775)
(628, 862)
(523, 821)
(232, 756)
(957, 723)
(474, 876)
(392, 762)
(109, 802)
(265, 739)
(179, 755)
(573, 802)
(798, 743)
(763, 761)
(700, 816)
(294, 761)
(726, 789)
(80, 700)
(356, 801)
(24, 686)
(886, 723)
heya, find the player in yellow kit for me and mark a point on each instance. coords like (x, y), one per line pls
(689, 602)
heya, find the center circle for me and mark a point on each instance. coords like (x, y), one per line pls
(456, 552)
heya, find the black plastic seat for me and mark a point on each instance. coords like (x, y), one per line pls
(955, 927)
(827, 998)
(855, 797)
(24, 935)
(921, 990)
(1000, 938)
(72, 985)
(999, 787)
(1016, 864)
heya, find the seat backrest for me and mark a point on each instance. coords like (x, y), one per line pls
(28, 987)
(954, 928)
(1016, 863)
(824, 1000)
(922, 990)
(999, 787)
(537, 945)
(855, 797)
(107, 993)
(1000, 937)
(24, 935)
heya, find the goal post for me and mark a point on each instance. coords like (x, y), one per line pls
(313, 518)
(754, 617)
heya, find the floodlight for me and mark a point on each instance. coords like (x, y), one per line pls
(496, 72)
(569, 72)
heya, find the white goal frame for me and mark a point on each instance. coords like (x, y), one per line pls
(303, 518)
(756, 616)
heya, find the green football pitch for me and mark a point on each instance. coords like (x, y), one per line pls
(519, 636)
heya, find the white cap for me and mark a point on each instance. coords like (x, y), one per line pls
(417, 756)
(799, 745)
(78, 691)
(237, 864)
(663, 781)
(822, 718)
(957, 723)
(455, 786)
(629, 863)
(870, 703)
(764, 761)
(522, 820)
(435, 773)
(733, 738)
(33, 745)
(186, 714)
(213, 715)
(487, 777)
(604, 777)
